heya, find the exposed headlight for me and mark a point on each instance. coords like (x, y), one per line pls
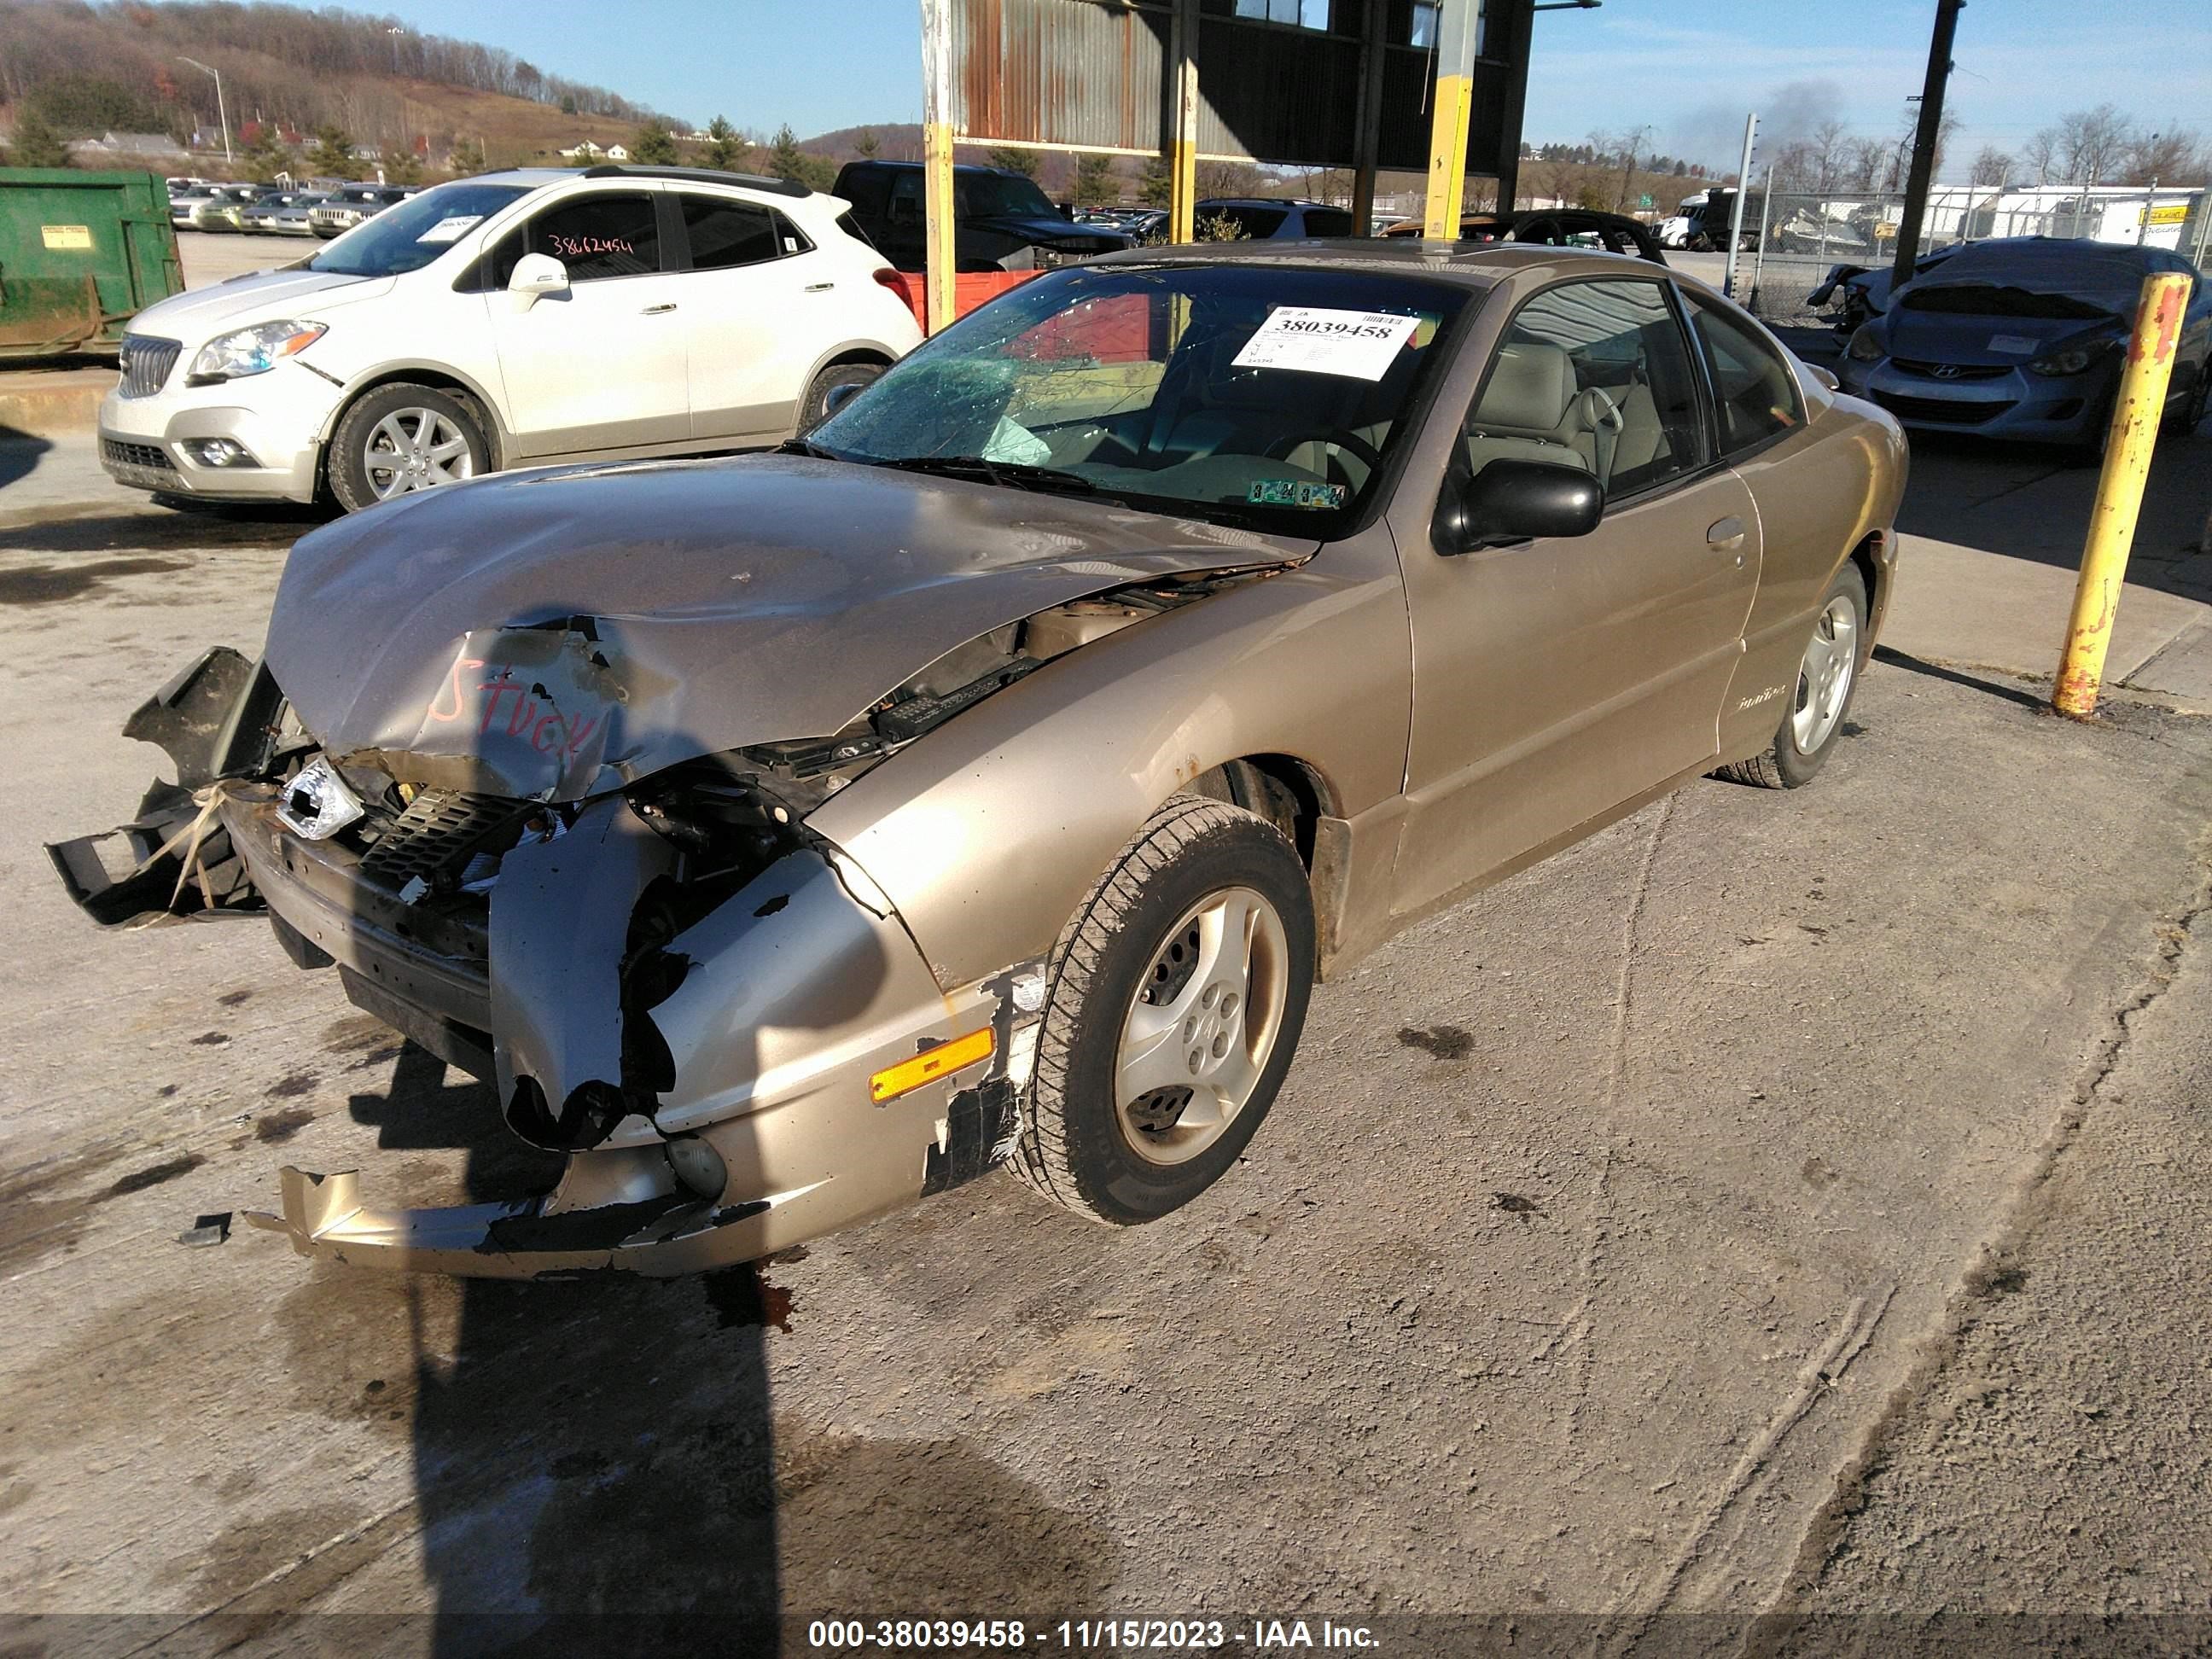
(2072, 361)
(253, 350)
(1866, 345)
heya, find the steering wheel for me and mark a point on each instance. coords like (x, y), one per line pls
(1358, 448)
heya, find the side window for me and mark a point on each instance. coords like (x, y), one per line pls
(906, 198)
(1756, 389)
(725, 234)
(867, 190)
(1594, 375)
(597, 237)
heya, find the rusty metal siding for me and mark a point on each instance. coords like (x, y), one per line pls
(1094, 73)
(1060, 71)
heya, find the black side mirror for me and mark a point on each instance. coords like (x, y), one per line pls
(837, 396)
(1515, 502)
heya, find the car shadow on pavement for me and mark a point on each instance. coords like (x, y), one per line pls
(2029, 501)
(1896, 659)
(19, 453)
(585, 1449)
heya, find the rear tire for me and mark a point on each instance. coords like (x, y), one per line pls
(1827, 678)
(814, 407)
(1192, 957)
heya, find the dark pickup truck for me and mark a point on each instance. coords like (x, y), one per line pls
(1003, 221)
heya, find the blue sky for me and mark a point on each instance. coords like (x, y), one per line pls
(1686, 68)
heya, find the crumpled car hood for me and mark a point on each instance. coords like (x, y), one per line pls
(561, 632)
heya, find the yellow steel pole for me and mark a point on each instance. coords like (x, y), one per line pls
(1182, 141)
(1457, 27)
(2128, 446)
(939, 244)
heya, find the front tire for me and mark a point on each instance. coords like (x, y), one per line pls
(1826, 677)
(1178, 992)
(402, 438)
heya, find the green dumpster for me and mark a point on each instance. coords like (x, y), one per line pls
(79, 254)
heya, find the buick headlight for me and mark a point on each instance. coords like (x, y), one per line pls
(1866, 345)
(2072, 361)
(254, 350)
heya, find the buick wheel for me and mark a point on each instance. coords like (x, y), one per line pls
(403, 438)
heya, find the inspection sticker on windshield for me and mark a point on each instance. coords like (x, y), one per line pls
(2019, 344)
(1359, 345)
(447, 229)
(1289, 492)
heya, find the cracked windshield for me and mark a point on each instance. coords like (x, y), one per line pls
(1251, 395)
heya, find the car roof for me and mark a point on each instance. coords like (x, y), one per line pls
(1266, 202)
(541, 178)
(1475, 265)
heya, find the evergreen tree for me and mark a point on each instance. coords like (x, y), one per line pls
(467, 157)
(786, 160)
(653, 146)
(1156, 187)
(266, 156)
(332, 155)
(1012, 160)
(1095, 183)
(35, 143)
(400, 166)
(725, 148)
(867, 145)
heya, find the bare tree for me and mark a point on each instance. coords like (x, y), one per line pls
(1991, 167)
(2170, 155)
(2039, 154)
(2092, 143)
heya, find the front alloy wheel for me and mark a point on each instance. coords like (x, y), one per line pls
(1177, 992)
(405, 437)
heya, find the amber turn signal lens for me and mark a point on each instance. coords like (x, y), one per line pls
(930, 1065)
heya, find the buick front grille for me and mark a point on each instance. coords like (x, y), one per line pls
(146, 363)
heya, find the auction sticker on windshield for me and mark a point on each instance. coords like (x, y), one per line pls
(1359, 345)
(447, 229)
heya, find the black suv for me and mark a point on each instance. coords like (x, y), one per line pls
(1003, 220)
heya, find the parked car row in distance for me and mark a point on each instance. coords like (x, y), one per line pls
(272, 210)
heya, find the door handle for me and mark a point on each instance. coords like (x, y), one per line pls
(654, 310)
(820, 288)
(1727, 534)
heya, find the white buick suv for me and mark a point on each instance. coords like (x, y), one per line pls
(506, 320)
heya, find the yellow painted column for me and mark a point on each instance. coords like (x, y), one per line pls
(1182, 141)
(1451, 110)
(939, 241)
(2128, 446)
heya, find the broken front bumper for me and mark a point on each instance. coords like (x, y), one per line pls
(796, 991)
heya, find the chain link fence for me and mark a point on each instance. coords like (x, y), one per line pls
(1793, 240)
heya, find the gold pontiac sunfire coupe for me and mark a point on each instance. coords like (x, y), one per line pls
(986, 776)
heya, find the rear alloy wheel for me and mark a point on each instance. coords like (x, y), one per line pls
(1178, 991)
(1826, 677)
(403, 438)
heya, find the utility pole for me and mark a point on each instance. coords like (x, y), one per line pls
(221, 114)
(1925, 139)
(1735, 211)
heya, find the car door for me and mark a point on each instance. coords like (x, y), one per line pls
(1801, 490)
(603, 366)
(762, 303)
(1556, 679)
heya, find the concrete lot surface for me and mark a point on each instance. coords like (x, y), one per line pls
(1786, 1203)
